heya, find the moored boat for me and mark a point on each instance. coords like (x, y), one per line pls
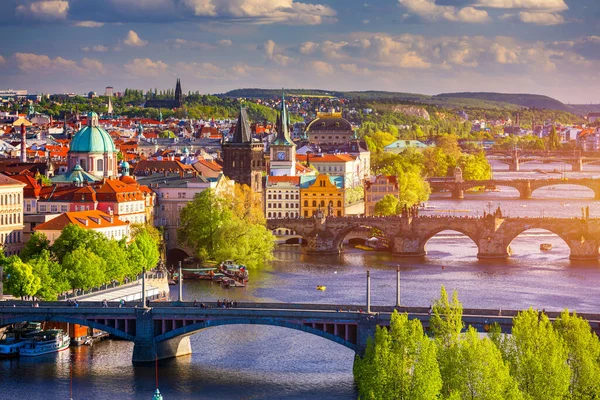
(235, 271)
(45, 342)
(15, 338)
(198, 273)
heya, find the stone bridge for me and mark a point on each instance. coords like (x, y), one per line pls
(526, 187)
(163, 330)
(514, 158)
(408, 236)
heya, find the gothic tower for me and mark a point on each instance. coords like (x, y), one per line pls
(283, 149)
(242, 157)
(178, 94)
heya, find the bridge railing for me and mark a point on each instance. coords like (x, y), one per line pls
(112, 285)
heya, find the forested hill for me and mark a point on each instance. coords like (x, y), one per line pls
(521, 99)
(463, 100)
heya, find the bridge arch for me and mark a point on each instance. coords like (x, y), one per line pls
(175, 255)
(427, 236)
(72, 320)
(197, 327)
(341, 235)
(594, 188)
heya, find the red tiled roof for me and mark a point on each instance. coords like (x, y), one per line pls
(290, 179)
(325, 158)
(92, 219)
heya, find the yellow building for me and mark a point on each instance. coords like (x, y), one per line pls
(322, 192)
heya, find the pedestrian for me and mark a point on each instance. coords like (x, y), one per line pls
(76, 303)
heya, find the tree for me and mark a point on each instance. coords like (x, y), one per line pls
(436, 162)
(583, 357)
(54, 280)
(147, 245)
(251, 244)
(86, 269)
(38, 243)
(481, 373)
(20, 279)
(200, 220)
(475, 167)
(553, 139)
(388, 205)
(73, 237)
(538, 357)
(399, 363)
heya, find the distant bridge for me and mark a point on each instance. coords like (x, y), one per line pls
(163, 330)
(526, 187)
(408, 236)
(514, 158)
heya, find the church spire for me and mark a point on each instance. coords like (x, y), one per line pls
(178, 93)
(283, 132)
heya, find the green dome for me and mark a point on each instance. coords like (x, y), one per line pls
(92, 138)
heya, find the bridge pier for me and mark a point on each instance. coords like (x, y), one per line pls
(366, 328)
(577, 165)
(408, 247)
(145, 349)
(514, 165)
(322, 242)
(458, 193)
(584, 250)
(525, 191)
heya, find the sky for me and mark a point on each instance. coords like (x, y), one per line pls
(549, 47)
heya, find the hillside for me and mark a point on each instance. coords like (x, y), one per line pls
(521, 99)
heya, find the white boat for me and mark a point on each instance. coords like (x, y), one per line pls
(46, 342)
(15, 338)
(427, 207)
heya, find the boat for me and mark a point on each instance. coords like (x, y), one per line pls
(321, 288)
(426, 207)
(45, 342)
(545, 246)
(230, 282)
(218, 277)
(17, 337)
(198, 273)
(233, 270)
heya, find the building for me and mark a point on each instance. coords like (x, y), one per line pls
(96, 220)
(322, 193)
(109, 91)
(329, 128)
(282, 197)
(400, 145)
(177, 102)
(593, 117)
(377, 187)
(93, 150)
(352, 169)
(282, 149)
(589, 139)
(173, 192)
(11, 215)
(243, 158)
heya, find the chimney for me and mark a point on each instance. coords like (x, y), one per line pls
(23, 144)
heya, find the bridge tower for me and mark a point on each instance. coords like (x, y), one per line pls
(515, 161)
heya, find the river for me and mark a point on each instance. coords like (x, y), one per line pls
(264, 362)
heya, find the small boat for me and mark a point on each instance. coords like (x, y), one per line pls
(233, 270)
(426, 207)
(545, 247)
(321, 288)
(198, 273)
(226, 283)
(15, 338)
(45, 342)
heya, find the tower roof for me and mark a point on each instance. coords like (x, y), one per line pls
(283, 133)
(242, 129)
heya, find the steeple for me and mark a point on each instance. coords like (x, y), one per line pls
(242, 129)
(178, 93)
(283, 133)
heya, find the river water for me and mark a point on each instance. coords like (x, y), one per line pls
(260, 362)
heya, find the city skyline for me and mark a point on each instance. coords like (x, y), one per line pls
(422, 46)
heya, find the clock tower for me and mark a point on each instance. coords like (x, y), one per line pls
(283, 149)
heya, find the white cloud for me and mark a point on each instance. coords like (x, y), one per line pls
(134, 40)
(413, 60)
(355, 69)
(88, 24)
(263, 11)
(225, 42)
(40, 63)
(308, 47)
(321, 67)
(545, 5)
(49, 10)
(272, 54)
(145, 67)
(428, 9)
(97, 48)
(541, 18)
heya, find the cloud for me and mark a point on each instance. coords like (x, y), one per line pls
(145, 67)
(88, 24)
(541, 18)
(224, 42)
(308, 47)
(263, 11)
(542, 5)
(428, 9)
(134, 40)
(272, 54)
(321, 67)
(192, 44)
(49, 10)
(42, 64)
(97, 48)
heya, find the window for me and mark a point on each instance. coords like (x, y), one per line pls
(100, 165)
(279, 196)
(305, 203)
(269, 215)
(314, 203)
(269, 197)
(339, 203)
(339, 213)
(53, 208)
(306, 213)
(64, 208)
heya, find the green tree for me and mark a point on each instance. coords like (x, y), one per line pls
(436, 162)
(73, 237)
(86, 269)
(475, 167)
(20, 279)
(388, 205)
(251, 244)
(147, 245)
(538, 357)
(37, 244)
(54, 280)
(399, 363)
(114, 255)
(553, 139)
(583, 355)
(481, 373)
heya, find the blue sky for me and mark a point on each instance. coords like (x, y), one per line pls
(548, 47)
